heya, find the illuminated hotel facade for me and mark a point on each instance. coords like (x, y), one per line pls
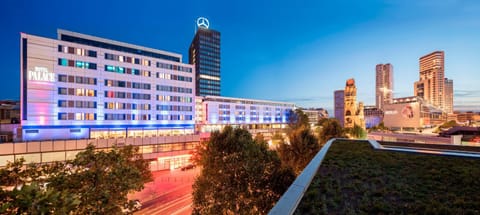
(258, 116)
(84, 87)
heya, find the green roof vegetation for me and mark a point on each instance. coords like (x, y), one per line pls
(356, 179)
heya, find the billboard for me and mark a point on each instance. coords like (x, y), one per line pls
(406, 115)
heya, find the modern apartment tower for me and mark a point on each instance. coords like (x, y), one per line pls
(204, 52)
(431, 86)
(448, 95)
(384, 85)
(339, 106)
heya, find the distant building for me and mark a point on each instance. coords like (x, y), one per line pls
(433, 87)
(353, 112)
(315, 114)
(204, 53)
(448, 95)
(339, 106)
(373, 116)
(383, 85)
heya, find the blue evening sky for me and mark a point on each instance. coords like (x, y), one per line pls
(296, 51)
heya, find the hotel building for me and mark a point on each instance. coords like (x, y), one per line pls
(204, 53)
(84, 87)
(258, 116)
(384, 85)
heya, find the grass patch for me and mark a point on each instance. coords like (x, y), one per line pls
(356, 179)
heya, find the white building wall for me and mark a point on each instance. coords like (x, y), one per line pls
(42, 96)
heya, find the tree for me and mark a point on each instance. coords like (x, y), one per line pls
(330, 128)
(302, 147)
(95, 182)
(297, 119)
(356, 132)
(239, 175)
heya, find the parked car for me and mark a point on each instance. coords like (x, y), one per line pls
(187, 167)
(135, 206)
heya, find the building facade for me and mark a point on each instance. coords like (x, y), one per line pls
(373, 116)
(383, 85)
(85, 87)
(259, 116)
(353, 113)
(448, 95)
(339, 106)
(204, 53)
(432, 87)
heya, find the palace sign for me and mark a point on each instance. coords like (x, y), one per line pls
(41, 74)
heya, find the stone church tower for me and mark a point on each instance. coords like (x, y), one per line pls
(353, 114)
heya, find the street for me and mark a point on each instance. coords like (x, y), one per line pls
(169, 193)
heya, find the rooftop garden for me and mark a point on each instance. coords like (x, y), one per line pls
(356, 179)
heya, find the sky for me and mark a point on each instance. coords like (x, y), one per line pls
(294, 51)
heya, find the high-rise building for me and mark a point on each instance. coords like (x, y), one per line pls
(448, 95)
(384, 85)
(353, 113)
(339, 106)
(431, 86)
(204, 52)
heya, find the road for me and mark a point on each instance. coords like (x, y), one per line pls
(169, 193)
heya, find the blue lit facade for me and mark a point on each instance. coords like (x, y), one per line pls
(215, 112)
(80, 86)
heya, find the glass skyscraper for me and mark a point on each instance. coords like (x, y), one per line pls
(204, 52)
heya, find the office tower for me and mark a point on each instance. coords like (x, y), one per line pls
(448, 95)
(353, 113)
(204, 52)
(339, 106)
(383, 85)
(431, 86)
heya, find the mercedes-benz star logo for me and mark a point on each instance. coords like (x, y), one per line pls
(202, 22)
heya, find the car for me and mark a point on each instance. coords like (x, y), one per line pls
(187, 167)
(132, 206)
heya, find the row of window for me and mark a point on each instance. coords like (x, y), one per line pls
(77, 79)
(77, 104)
(173, 77)
(126, 106)
(183, 99)
(77, 51)
(123, 70)
(174, 117)
(120, 116)
(77, 92)
(242, 118)
(77, 116)
(127, 95)
(146, 62)
(174, 108)
(76, 63)
(127, 59)
(209, 82)
(174, 67)
(166, 88)
(127, 84)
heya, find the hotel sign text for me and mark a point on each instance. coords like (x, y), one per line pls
(41, 74)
